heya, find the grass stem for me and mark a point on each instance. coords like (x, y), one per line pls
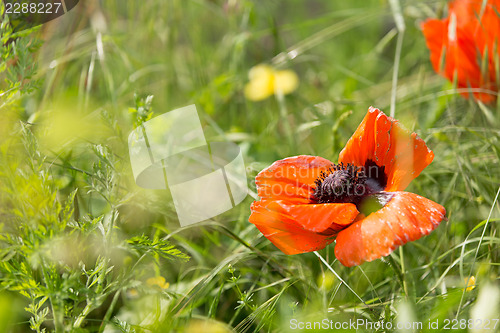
(340, 279)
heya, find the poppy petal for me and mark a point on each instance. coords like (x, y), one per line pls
(301, 228)
(436, 34)
(294, 241)
(291, 179)
(456, 57)
(385, 142)
(311, 217)
(406, 217)
(461, 41)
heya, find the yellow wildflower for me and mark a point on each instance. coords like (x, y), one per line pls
(265, 81)
(158, 281)
(471, 284)
(326, 280)
(133, 293)
(206, 326)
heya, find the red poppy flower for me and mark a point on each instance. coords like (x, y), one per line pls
(465, 45)
(307, 201)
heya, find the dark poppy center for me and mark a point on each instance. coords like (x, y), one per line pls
(340, 184)
(343, 183)
(376, 174)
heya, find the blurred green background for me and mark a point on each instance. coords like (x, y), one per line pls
(83, 249)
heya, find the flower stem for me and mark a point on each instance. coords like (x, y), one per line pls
(400, 25)
(109, 311)
(81, 316)
(58, 316)
(398, 272)
(55, 305)
(403, 270)
(285, 121)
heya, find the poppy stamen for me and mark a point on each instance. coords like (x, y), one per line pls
(347, 183)
(340, 183)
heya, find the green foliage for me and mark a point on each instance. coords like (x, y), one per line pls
(142, 244)
(83, 249)
(61, 262)
(17, 66)
(143, 109)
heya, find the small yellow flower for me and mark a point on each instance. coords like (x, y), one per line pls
(265, 81)
(326, 280)
(471, 284)
(133, 293)
(158, 281)
(206, 326)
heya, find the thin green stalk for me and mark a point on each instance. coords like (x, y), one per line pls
(477, 251)
(285, 121)
(320, 37)
(54, 303)
(58, 318)
(341, 280)
(398, 273)
(403, 270)
(83, 315)
(400, 25)
(109, 311)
